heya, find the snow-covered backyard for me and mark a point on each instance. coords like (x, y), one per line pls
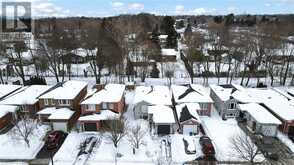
(12, 148)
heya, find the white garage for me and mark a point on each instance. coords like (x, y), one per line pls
(260, 120)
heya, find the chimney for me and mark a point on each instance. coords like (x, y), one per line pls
(99, 86)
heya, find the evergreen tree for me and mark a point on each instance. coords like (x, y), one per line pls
(154, 72)
(167, 27)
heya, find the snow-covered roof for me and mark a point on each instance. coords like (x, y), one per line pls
(163, 36)
(110, 94)
(82, 52)
(168, 52)
(161, 114)
(47, 111)
(7, 89)
(57, 113)
(25, 96)
(104, 115)
(291, 91)
(61, 114)
(223, 93)
(67, 91)
(275, 101)
(4, 109)
(154, 95)
(245, 97)
(192, 109)
(197, 95)
(259, 113)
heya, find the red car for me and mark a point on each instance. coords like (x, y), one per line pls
(207, 146)
(55, 139)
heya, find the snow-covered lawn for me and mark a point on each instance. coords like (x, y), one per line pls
(147, 153)
(12, 148)
(221, 132)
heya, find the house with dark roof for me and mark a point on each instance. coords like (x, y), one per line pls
(193, 93)
(188, 119)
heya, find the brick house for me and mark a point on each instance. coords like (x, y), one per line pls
(65, 97)
(26, 98)
(107, 103)
(193, 93)
(67, 94)
(7, 114)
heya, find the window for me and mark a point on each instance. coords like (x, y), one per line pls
(232, 106)
(63, 102)
(46, 102)
(104, 105)
(107, 106)
(110, 106)
(91, 107)
(204, 106)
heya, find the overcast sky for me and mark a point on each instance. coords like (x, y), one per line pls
(102, 8)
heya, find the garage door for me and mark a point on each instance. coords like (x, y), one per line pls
(163, 129)
(291, 131)
(90, 127)
(269, 130)
(60, 126)
(189, 129)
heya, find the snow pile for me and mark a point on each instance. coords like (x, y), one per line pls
(18, 149)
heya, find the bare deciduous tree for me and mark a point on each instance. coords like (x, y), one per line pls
(244, 148)
(24, 129)
(117, 131)
(135, 135)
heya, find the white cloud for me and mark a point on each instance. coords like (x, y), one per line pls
(287, 1)
(268, 5)
(117, 4)
(232, 9)
(179, 9)
(136, 6)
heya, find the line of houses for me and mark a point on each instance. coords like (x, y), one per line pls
(178, 108)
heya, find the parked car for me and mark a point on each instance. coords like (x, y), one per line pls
(55, 139)
(207, 146)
